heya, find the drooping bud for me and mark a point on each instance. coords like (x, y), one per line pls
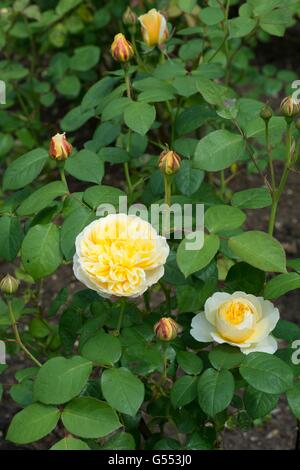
(166, 329)
(60, 148)
(169, 162)
(121, 49)
(289, 107)
(129, 17)
(266, 113)
(9, 285)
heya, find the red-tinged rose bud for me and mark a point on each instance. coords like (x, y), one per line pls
(166, 329)
(60, 148)
(121, 49)
(9, 285)
(169, 162)
(289, 107)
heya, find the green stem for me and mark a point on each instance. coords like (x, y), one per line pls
(272, 219)
(136, 53)
(167, 182)
(251, 155)
(222, 183)
(63, 175)
(127, 81)
(128, 179)
(165, 361)
(121, 317)
(126, 166)
(281, 187)
(270, 157)
(17, 335)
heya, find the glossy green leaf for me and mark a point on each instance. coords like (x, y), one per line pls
(266, 373)
(190, 260)
(70, 443)
(32, 423)
(25, 169)
(122, 390)
(90, 418)
(10, 237)
(215, 391)
(42, 198)
(218, 150)
(59, 379)
(139, 117)
(103, 349)
(220, 218)
(184, 391)
(40, 251)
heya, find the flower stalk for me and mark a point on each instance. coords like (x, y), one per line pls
(277, 194)
(17, 335)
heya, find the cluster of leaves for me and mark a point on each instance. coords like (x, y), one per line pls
(118, 392)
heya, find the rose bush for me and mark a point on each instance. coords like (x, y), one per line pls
(158, 346)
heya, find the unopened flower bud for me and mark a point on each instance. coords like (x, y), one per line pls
(154, 28)
(60, 148)
(129, 17)
(121, 49)
(166, 329)
(289, 107)
(266, 113)
(169, 162)
(9, 285)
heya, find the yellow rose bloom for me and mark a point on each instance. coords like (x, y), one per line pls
(120, 255)
(239, 319)
(154, 28)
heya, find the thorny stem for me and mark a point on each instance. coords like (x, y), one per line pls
(17, 335)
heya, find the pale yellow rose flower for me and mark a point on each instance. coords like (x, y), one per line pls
(120, 255)
(239, 319)
(154, 28)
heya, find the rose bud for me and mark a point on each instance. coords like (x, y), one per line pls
(9, 285)
(266, 112)
(60, 148)
(129, 17)
(154, 28)
(121, 49)
(166, 329)
(289, 107)
(169, 162)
